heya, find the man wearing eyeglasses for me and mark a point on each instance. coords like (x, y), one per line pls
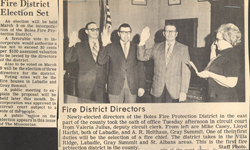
(171, 73)
(126, 77)
(91, 76)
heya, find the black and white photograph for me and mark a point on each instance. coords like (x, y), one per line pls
(160, 51)
(155, 74)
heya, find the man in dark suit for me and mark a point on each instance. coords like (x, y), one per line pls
(171, 73)
(91, 76)
(126, 77)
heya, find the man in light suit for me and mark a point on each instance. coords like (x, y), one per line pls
(126, 75)
(171, 73)
(91, 76)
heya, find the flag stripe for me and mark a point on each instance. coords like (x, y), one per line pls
(108, 17)
(105, 18)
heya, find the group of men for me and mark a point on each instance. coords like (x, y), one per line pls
(120, 66)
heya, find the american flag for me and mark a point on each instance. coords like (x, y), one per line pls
(105, 19)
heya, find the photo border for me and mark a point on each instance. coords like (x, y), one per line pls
(139, 2)
(174, 2)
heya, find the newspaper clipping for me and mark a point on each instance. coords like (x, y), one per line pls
(153, 75)
(29, 63)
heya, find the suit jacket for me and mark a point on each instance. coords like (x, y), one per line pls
(176, 75)
(90, 73)
(119, 66)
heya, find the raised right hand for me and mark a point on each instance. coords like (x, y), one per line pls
(105, 37)
(145, 34)
(73, 38)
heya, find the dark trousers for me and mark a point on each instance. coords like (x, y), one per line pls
(125, 96)
(94, 93)
(165, 97)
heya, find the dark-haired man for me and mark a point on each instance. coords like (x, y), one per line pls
(171, 73)
(126, 77)
(91, 76)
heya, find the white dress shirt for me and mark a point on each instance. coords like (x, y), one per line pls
(127, 45)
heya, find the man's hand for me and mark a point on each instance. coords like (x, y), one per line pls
(141, 91)
(73, 38)
(204, 74)
(183, 97)
(145, 34)
(105, 37)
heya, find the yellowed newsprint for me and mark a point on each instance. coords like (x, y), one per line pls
(194, 122)
(29, 63)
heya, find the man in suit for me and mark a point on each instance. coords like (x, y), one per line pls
(126, 77)
(171, 73)
(91, 76)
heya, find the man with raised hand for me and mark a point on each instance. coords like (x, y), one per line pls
(171, 73)
(91, 76)
(126, 75)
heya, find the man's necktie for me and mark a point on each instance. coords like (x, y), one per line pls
(95, 51)
(125, 50)
(167, 54)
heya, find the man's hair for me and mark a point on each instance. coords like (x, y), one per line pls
(87, 25)
(170, 24)
(230, 33)
(124, 25)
